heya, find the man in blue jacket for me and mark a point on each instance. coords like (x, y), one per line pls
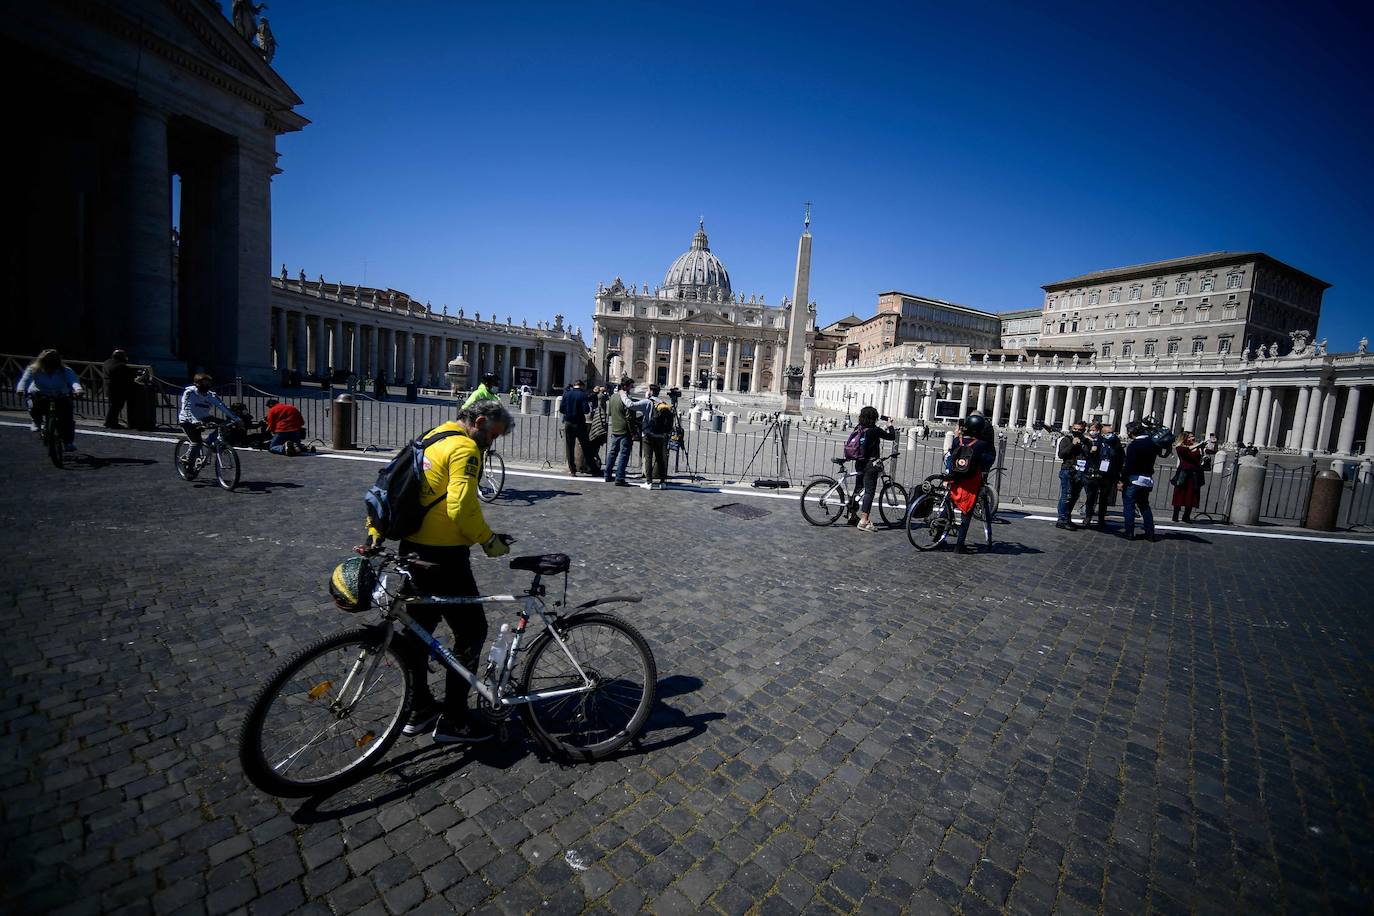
(574, 407)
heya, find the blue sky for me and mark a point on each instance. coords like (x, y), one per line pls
(505, 157)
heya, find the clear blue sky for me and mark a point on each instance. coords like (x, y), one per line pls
(506, 157)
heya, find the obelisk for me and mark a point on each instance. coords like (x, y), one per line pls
(797, 319)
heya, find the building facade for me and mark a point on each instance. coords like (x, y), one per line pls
(1209, 304)
(320, 328)
(694, 330)
(128, 98)
(1021, 329)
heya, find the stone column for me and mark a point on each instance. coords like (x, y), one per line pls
(696, 353)
(1300, 418)
(1328, 419)
(1108, 402)
(1345, 443)
(928, 409)
(298, 351)
(544, 383)
(731, 361)
(1167, 418)
(1214, 412)
(672, 359)
(355, 346)
(1251, 416)
(756, 368)
(1235, 430)
(1051, 407)
(1369, 432)
(963, 399)
(422, 364)
(1070, 405)
(148, 210)
(982, 401)
(1190, 412)
(1262, 424)
(997, 405)
(282, 342)
(1275, 439)
(1313, 423)
(1149, 406)
(1127, 409)
(1032, 405)
(779, 356)
(627, 354)
(715, 358)
(336, 344)
(1015, 406)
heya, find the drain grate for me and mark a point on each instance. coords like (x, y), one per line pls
(740, 510)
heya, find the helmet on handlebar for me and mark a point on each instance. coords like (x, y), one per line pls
(351, 584)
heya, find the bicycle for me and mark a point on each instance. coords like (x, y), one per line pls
(493, 479)
(48, 431)
(826, 499)
(930, 517)
(585, 692)
(214, 446)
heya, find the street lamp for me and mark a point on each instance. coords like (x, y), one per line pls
(848, 396)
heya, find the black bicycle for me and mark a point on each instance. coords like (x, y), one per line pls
(930, 518)
(49, 430)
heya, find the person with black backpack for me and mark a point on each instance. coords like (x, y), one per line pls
(864, 445)
(658, 426)
(426, 498)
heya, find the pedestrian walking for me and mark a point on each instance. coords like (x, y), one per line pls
(119, 385)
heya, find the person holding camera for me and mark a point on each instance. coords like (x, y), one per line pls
(574, 408)
(867, 465)
(966, 466)
(623, 424)
(1072, 451)
(1138, 475)
(658, 426)
(1188, 478)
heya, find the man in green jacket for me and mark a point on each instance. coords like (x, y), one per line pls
(621, 411)
(486, 391)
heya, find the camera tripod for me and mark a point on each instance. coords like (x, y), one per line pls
(677, 444)
(774, 432)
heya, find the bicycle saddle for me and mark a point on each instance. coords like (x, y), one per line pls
(838, 460)
(545, 564)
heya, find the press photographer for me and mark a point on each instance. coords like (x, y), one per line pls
(1149, 441)
(1074, 451)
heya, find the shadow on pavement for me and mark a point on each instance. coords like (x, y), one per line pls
(83, 461)
(1011, 548)
(530, 497)
(265, 486)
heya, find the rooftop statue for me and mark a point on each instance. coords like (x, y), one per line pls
(267, 42)
(243, 14)
(283, 272)
(1321, 347)
(1364, 346)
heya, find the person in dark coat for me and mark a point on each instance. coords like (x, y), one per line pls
(574, 408)
(379, 386)
(119, 385)
(1188, 478)
(1110, 454)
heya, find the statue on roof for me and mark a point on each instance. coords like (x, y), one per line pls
(283, 272)
(1364, 346)
(267, 42)
(244, 14)
(302, 275)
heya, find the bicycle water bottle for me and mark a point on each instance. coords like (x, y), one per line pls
(499, 651)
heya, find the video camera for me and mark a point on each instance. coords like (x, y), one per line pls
(674, 394)
(1162, 437)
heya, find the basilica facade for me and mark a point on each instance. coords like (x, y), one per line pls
(695, 331)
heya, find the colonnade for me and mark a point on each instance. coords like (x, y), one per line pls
(688, 355)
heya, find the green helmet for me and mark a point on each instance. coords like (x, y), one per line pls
(351, 584)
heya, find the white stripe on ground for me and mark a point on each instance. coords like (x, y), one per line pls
(1236, 532)
(87, 431)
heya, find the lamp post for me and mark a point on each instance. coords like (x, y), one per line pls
(848, 396)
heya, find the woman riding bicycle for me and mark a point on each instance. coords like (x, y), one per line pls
(50, 385)
(197, 401)
(869, 465)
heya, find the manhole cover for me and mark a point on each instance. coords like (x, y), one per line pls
(740, 510)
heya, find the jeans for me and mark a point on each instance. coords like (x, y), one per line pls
(1132, 498)
(451, 575)
(617, 456)
(656, 459)
(574, 433)
(1070, 485)
(279, 440)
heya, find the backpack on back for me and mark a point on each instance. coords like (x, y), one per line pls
(961, 459)
(661, 421)
(393, 503)
(854, 445)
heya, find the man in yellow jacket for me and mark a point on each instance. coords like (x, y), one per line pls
(452, 525)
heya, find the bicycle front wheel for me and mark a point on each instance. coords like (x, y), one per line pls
(928, 529)
(823, 502)
(596, 722)
(986, 507)
(55, 447)
(227, 467)
(181, 460)
(327, 715)
(892, 503)
(493, 477)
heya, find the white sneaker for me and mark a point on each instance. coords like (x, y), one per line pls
(867, 526)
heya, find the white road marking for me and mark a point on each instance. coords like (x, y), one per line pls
(1237, 533)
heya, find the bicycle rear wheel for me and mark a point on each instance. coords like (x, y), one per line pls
(892, 503)
(823, 502)
(595, 723)
(54, 441)
(493, 478)
(928, 529)
(304, 735)
(226, 467)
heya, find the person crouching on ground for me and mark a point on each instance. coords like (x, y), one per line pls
(868, 466)
(285, 423)
(967, 466)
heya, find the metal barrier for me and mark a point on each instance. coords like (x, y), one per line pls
(1287, 487)
(1357, 507)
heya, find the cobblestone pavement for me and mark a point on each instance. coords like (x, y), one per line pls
(1073, 724)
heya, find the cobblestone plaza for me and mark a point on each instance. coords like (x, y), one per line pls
(1071, 724)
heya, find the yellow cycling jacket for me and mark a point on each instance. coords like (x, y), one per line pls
(452, 468)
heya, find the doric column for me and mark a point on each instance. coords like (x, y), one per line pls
(148, 210)
(779, 356)
(282, 341)
(1369, 433)
(715, 358)
(1070, 398)
(544, 383)
(1108, 402)
(1127, 408)
(1051, 404)
(1033, 405)
(1328, 419)
(1149, 406)
(1345, 444)
(982, 401)
(1275, 439)
(373, 350)
(1300, 418)
(1235, 430)
(1262, 424)
(1168, 416)
(963, 399)
(627, 353)
(336, 344)
(928, 408)
(422, 359)
(1213, 412)
(696, 352)
(298, 351)
(731, 361)
(1251, 416)
(756, 369)
(672, 360)
(1015, 405)
(1190, 411)
(997, 405)
(1313, 421)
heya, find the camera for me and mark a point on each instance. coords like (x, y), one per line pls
(1162, 437)
(674, 393)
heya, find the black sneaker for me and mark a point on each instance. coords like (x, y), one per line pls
(466, 731)
(422, 719)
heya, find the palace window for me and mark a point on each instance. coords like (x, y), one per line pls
(1049, 304)
(1135, 291)
(1106, 351)
(1233, 280)
(1062, 325)
(1224, 345)
(1199, 344)
(665, 344)
(1204, 311)
(1181, 288)
(1111, 321)
(664, 311)
(615, 306)
(1149, 348)
(1092, 324)
(1157, 289)
(1073, 326)
(1128, 349)
(1208, 283)
(1077, 300)
(1114, 295)
(1179, 316)
(1092, 298)
(1228, 312)
(1154, 318)
(613, 339)
(1132, 318)
(746, 348)
(1172, 348)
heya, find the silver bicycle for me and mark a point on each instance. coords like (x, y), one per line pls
(331, 711)
(826, 500)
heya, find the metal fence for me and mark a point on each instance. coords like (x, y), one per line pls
(1287, 488)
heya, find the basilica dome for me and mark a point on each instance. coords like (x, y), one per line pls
(697, 274)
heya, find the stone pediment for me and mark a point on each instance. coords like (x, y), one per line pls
(709, 320)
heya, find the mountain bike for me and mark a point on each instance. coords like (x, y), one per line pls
(214, 447)
(331, 711)
(49, 430)
(930, 519)
(826, 499)
(493, 478)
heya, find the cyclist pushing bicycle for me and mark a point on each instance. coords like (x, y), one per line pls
(451, 524)
(197, 403)
(49, 385)
(966, 465)
(865, 443)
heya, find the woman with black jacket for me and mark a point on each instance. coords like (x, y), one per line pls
(868, 466)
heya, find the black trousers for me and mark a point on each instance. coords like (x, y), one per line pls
(66, 420)
(573, 434)
(451, 575)
(655, 459)
(870, 472)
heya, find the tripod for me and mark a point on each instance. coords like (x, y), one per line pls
(775, 433)
(677, 443)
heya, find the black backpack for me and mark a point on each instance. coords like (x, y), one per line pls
(393, 503)
(661, 422)
(961, 460)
